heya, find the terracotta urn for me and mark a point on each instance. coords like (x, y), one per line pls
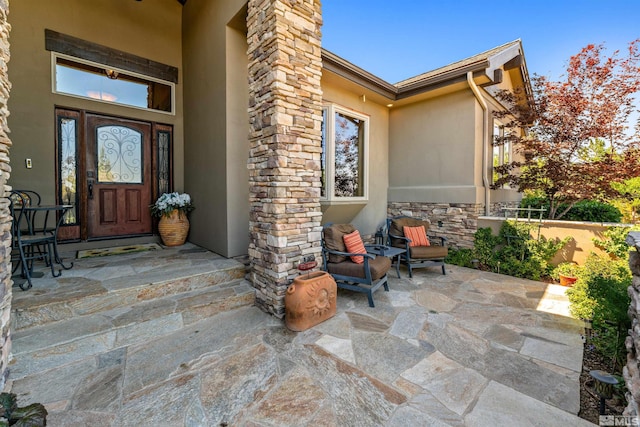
(310, 300)
(174, 228)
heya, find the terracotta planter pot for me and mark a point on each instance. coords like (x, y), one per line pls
(310, 299)
(174, 229)
(567, 280)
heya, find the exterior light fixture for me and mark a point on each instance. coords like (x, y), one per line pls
(112, 74)
(389, 105)
(603, 386)
(588, 330)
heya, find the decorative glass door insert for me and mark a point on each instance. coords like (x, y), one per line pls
(120, 155)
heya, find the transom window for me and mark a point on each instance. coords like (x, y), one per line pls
(86, 79)
(345, 147)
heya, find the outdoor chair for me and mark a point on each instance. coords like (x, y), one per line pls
(421, 250)
(352, 269)
(30, 198)
(30, 244)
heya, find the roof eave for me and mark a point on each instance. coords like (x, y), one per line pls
(482, 69)
(440, 80)
(349, 71)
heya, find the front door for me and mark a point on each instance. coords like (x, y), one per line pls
(118, 177)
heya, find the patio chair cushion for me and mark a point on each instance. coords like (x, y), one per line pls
(397, 224)
(378, 266)
(355, 245)
(429, 252)
(418, 236)
(333, 240)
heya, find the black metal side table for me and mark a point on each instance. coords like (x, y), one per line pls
(388, 251)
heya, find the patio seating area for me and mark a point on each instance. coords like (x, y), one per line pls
(170, 338)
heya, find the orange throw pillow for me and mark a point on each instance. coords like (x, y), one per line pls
(418, 236)
(354, 245)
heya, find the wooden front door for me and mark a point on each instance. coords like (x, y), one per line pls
(118, 177)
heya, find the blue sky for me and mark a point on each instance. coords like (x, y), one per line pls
(398, 39)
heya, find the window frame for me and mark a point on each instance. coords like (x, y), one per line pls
(504, 157)
(72, 216)
(329, 111)
(54, 83)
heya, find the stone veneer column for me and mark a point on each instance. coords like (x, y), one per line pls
(631, 371)
(5, 216)
(285, 114)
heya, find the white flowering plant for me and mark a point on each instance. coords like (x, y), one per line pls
(168, 202)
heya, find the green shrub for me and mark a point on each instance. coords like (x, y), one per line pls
(601, 294)
(536, 202)
(513, 252)
(461, 257)
(601, 290)
(581, 306)
(614, 241)
(591, 210)
(484, 248)
(584, 210)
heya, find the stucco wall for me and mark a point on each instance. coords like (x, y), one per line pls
(433, 154)
(148, 29)
(217, 124)
(365, 216)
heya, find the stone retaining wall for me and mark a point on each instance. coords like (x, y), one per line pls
(458, 222)
(631, 371)
(5, 216)
(285, 115)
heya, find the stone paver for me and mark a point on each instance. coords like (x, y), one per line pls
(501, 406)
(468, 348)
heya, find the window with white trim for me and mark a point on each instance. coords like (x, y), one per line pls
(501, 150)
(345, 148)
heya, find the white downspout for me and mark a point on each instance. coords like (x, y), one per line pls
(485, 142)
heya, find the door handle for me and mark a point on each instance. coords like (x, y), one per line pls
(90, 188)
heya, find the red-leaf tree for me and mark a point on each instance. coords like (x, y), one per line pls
(577, 138)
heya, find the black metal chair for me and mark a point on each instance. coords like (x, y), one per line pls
(30, 245)
(366, 277)
(416, 256)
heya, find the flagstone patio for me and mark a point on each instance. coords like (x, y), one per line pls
(469, 348)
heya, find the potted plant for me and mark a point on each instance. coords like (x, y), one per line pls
(34, 415)
(172, 209)
(566, 273)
